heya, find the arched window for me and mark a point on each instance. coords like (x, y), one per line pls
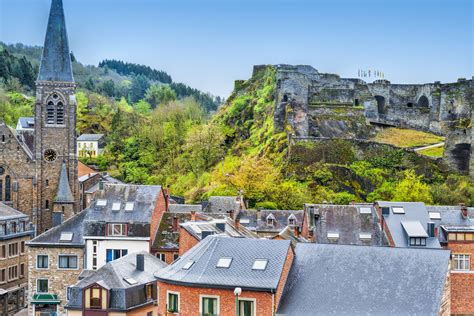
(60, 113)
(50, 115)
(8, 187)
(423, 102)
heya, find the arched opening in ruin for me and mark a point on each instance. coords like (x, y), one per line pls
(356, 102)
(380, 104)
(410, 104)
(423, 102)
(285, 98)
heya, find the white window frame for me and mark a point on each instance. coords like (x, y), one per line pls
(68, 255)
(17, 272)
(47, 256)
(466, 259)
(162, 256)
(36, 288)
(110, 231)
(168, 297)
(254, 300)
(210, 296)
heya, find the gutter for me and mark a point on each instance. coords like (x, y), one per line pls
(216, 286)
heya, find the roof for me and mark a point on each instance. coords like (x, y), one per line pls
(184, 208)
(412, 212)
(281, 219)
(223, 204)
(113, 274)
(64, 190)
(288, 233)
(414, 229)
(361, 280)
(167, 236)
(243, 252)
(83, 169)
(7, 212)
(56, 60)
(26, 123)
(450, 218)
(345, 224)
(215, 226)
(90, 137)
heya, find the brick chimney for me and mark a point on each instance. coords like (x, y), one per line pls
(237, 223)
(231, 214)
(193, 216)
(464, 211)
(175, 223)
(297, 231)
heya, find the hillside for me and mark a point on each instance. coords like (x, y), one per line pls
(178, 144)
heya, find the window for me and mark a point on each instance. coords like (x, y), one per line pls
(113, 254)
(417, 241)
(161, 256)
(271, 221)
(22, 226)
(149, 291)
(188, 265)
(209, 306)
(60, 113)
(7, 189)
(13, 228)
(67, 262)
(117, 229)
(333, 235)
(149, 314)
(116, 206)
(66, 236)
(247, 307)
(260, 264)
(42, 262)
(46, 204)
(365, 210)
(3, 251)
(101, 202)
(13, 249)
(435, 215)
(3, 275)
(50, 113)
(398, 210)
(22, 270)
(173, 302)
(460, 237)
(175, 256)
(12, 273)
(22, 247)
(461, 262)
(292, 220)
(224, 262)
(365, 236)
(3, 226)
(96, 298)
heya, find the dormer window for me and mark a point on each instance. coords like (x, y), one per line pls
(417, 241)
(292, 220)
(271, 220)
(117, 229)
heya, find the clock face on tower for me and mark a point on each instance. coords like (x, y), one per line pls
(50, 155)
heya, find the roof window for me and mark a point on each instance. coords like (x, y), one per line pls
(116, 206)
(333, 235)
(188, 265)
(66, 236)
(398, 210)
(224, 263)
(101, 202)
(131, 281)
(260, 264)
(365, 236)
(435, 215)
(365, 210)
(129, 206)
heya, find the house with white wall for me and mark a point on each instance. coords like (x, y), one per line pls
(90, 145)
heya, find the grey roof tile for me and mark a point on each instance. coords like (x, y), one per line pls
(361, 280)
(90, 137)
(243, 252)
(7, 212)
(64, 190)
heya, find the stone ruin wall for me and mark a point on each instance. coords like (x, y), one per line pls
(325, 105)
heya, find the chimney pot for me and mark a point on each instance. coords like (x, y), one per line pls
(140, 262)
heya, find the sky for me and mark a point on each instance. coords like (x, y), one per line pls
(208, 44)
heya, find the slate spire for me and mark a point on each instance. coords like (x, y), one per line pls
(56, 59)
(64, 191)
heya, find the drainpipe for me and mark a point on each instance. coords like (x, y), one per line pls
(273, 304)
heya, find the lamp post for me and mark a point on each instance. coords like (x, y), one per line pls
(237, 292)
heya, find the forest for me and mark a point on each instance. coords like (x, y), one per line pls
(158, 134)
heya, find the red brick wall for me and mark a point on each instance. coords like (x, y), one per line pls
(189, 300)
(462, 283)
(284, 276)
(186, 241)
(160, 207)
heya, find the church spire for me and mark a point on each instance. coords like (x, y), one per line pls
(56, 59)
(64, 191)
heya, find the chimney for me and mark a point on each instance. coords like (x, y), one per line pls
(175, 223)
(297, 231)
(464, 211)
(231, 214)
(140, 262)
(353, 202)
(193, 215)
(237, 223)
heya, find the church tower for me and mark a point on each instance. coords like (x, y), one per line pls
(55, 126)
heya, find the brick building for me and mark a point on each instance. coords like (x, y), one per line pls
(206, 279)
(15, 231)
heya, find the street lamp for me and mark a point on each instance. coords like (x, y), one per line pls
(237, 292)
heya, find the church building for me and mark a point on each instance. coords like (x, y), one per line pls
(38, 170)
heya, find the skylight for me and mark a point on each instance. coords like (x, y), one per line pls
(365, 210)
(101, 202)
(333, 235)
(260, 264)
(435, 215)
(398, 210)
(365, 236)
(66, 236)
(131, 281)
(188, 265)
(224, 262)
(129, 206)
(116, 206)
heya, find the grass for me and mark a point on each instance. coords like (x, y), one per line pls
(436, 152)
(407, 138)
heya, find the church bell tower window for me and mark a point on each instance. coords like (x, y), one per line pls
(55, 111)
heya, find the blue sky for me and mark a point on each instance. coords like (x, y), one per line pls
(209, 43)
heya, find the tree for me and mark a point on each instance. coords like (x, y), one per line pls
(139, 86)
(108, 88)
(204, 144)
(412, 189)
(159, 94)
(142, 107)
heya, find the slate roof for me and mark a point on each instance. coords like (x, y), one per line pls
(90, 137)
(281, 219)
(184, 208)
(288, 233)
(360, 280)
(243, 252)
(167, 238)
(348, 222)
(451, 220)
(414, 212)
(215, 226)
(64, 190)
(7, 213)
(222, 204)
(26, 123)
(56, 59)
